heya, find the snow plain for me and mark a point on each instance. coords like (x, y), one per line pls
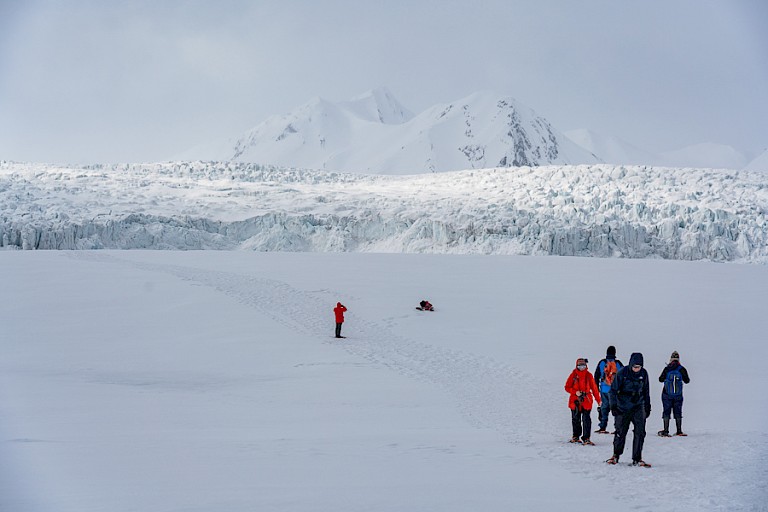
(210, 381)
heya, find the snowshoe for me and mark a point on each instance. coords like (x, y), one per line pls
(587, 442)
(574, 439)
(613, 460)
(601, 431)
(663, 433)
(681, 434)
(640, 463)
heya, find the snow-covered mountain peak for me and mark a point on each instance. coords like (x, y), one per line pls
(378, 105)
(760, 163)
(375, 133)
(612, 150)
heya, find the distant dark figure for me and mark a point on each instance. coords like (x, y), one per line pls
(425, 306)
(339, 312)
(673, 376)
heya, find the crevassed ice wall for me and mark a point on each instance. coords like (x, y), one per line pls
(602, 211)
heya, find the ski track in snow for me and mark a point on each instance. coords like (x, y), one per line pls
(523, 411)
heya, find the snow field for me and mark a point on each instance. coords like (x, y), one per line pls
(211, 381)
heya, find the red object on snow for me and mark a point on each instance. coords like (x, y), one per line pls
(339, 311)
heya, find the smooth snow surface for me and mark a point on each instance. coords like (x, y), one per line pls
(760, 163)
(210, 381)
(706, 155)
(601, 210)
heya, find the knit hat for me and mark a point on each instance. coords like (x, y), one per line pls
(675, 356)
(611, 353)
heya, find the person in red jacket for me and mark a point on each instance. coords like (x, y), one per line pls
(582, 388)
(339, 312)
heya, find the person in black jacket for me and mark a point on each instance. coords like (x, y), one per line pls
(673, 376)
(631, 404)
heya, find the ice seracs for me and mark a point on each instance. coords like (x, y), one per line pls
(600, 210)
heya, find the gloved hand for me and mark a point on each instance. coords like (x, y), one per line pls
(615, 410)
(647, 413)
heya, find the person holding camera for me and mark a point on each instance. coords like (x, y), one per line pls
(339, 312)
(582, 389)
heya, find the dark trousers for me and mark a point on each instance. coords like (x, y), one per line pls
(604, 411)
(672, 404)
(338, 329)
(634, 417)
(579, 418)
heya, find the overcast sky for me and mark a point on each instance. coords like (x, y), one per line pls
(108, 80)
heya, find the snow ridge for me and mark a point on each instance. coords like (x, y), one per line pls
(375, 133)
(600, 210)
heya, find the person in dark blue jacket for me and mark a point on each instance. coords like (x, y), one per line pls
(631, 405)
(673, 376)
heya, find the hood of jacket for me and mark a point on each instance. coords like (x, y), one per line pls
(635, 358)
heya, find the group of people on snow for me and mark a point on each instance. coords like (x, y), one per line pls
(339, 310)
(624, 392)
(621, 391)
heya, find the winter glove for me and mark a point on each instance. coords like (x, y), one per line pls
(615, 410)
(647, 414)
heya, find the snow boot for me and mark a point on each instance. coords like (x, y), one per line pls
(640, 463)
(613, 460)
(574, 439)
(601, 431)
(665, 432)
(587, 442)
(679, 423)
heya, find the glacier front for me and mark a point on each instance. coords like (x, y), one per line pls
(587, 210)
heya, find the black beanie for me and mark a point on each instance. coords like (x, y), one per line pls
(611, 353)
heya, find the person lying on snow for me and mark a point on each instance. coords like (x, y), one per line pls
(424, 305)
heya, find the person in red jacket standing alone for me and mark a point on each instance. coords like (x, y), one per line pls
(339, 311)
(581, 386)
